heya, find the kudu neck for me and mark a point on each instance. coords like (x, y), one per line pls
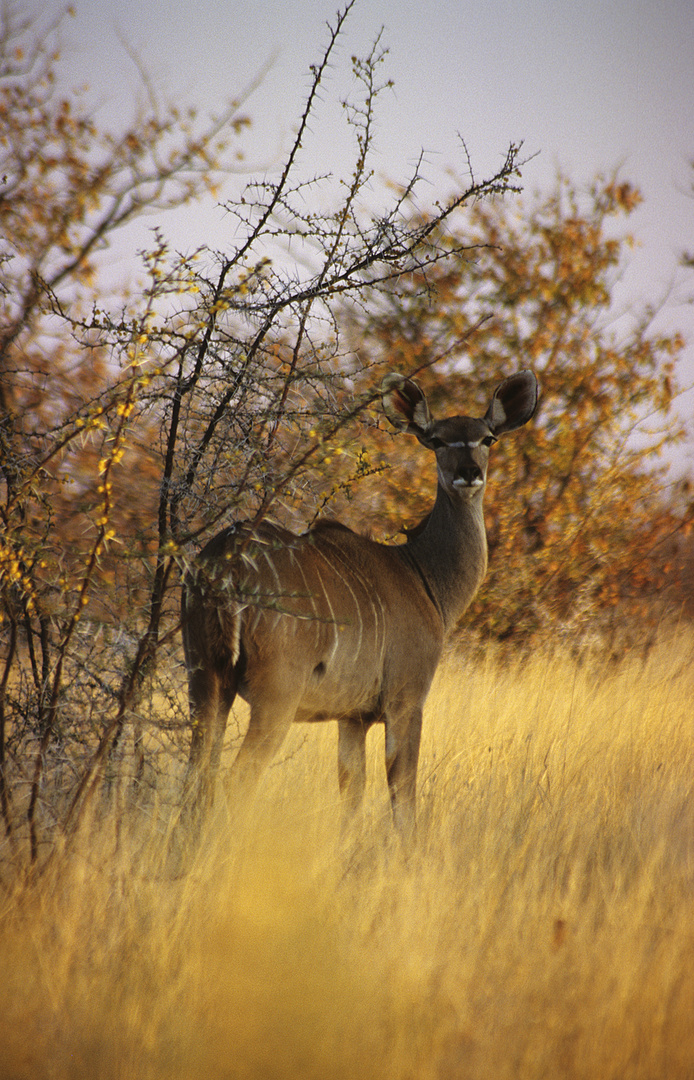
(449, 550)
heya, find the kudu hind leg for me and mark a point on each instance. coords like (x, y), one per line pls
(402, 755)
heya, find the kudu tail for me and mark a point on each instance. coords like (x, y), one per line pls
(212, 645)
(211, 630)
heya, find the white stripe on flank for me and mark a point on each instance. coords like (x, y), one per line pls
(336, 637)
(352, 594)
(309, 594)
(314, 606)
(236, 638)
(371, 594)
(273, 568)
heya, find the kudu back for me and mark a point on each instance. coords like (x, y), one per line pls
(330, 625)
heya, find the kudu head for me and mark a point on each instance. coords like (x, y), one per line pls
(461, 443)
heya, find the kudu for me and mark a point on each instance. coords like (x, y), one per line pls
(332, 625)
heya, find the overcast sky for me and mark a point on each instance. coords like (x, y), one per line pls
(588, 86)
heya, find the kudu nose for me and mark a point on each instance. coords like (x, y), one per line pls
(468, 476)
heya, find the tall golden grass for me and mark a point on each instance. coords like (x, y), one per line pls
(542, 927)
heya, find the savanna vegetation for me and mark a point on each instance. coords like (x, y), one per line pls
(541, 928)
(542, 925)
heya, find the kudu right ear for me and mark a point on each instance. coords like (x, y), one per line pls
(514, 402)
(405, 405)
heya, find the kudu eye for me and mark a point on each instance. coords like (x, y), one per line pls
(489, 440)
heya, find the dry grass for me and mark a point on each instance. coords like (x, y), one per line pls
(544, 926)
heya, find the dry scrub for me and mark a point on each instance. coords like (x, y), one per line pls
(544, 926)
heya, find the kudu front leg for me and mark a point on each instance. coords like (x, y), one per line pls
(269, 723)
(402, 754)
(351, 768)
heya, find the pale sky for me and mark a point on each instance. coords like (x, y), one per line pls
(588, 86)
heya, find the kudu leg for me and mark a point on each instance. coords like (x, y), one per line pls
(351, 767)
(211, 698)
(269, 723)
(402, 754)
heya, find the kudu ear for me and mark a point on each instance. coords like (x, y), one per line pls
(405, 405)
(513, 404)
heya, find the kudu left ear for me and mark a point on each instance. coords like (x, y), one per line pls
(405, 405)
(514, 403)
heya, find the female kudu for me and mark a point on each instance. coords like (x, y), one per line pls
(332, 625)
